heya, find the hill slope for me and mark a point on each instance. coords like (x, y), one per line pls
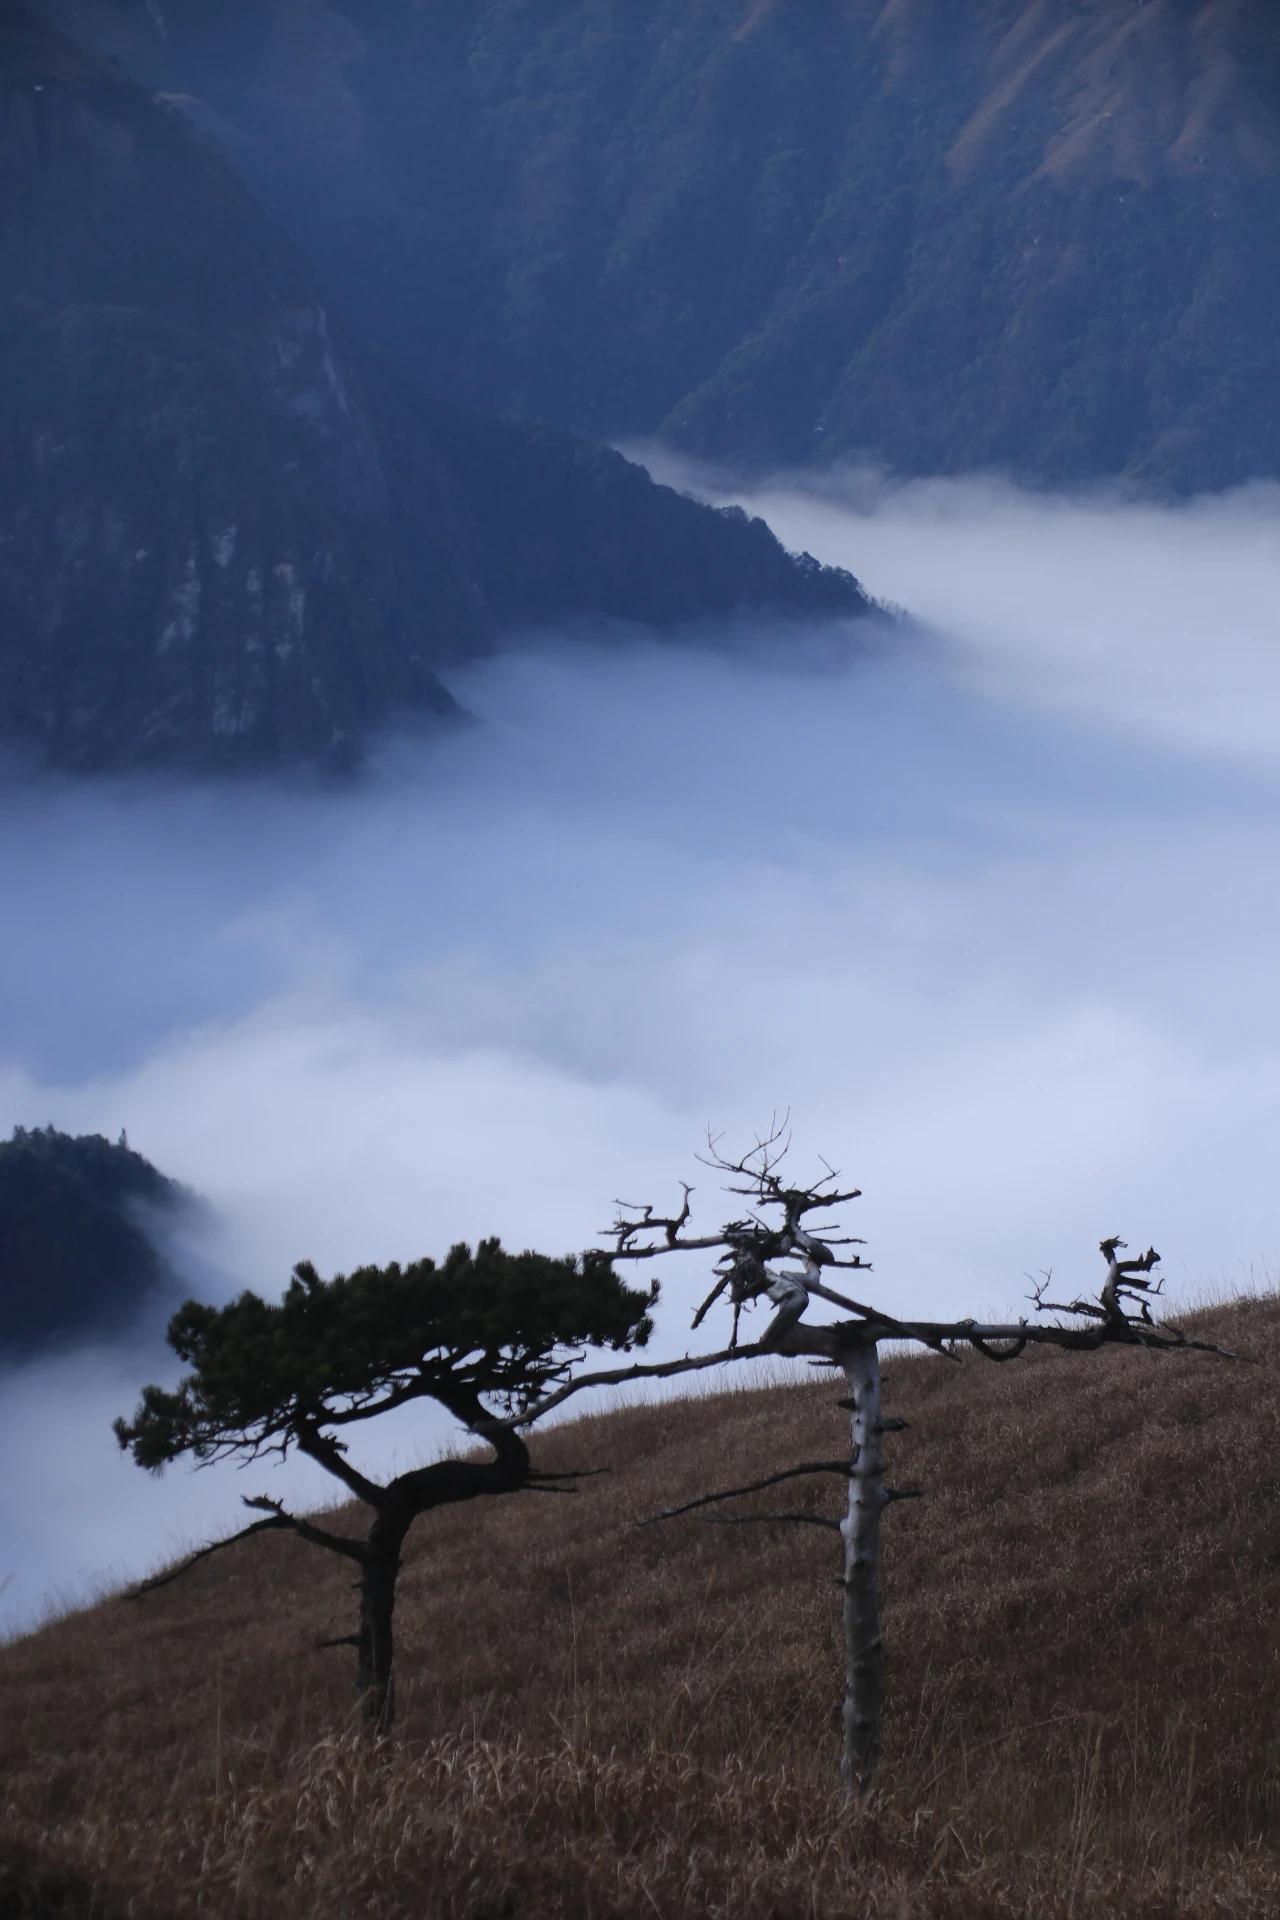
(227, 532)
(599, 1720)
(1042, 234)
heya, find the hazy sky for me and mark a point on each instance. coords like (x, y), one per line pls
(993, 912)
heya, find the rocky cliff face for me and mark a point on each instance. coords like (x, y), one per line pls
(1042, 234)
(193, 512)
(227, 533)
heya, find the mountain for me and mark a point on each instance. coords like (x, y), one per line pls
(1042, 235)
(78, 1256)
(228, 531)
(607, 1719)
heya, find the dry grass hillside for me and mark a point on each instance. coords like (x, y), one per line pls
(1129, 92)
(604, 1721)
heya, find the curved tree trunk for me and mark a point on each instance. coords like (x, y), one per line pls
(860, 1531)
(400, 1503)
(375, 1678)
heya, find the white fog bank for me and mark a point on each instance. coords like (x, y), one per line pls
(993, 916)
(1159, 622)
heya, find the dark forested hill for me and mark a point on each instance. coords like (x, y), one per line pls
(227, 532)
(77, 1258)
(1038, 233)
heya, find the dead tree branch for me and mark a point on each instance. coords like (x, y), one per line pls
(278, 1521)
(176, 1573)
(755, 1486)
(618, 1377)
(771, 1520)
(307, 1529)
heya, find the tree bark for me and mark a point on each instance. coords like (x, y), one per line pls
(375, 1656)
(400, 1503)
(860, 1531)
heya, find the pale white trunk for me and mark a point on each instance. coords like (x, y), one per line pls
(860, 1530)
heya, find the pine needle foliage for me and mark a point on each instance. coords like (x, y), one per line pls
(482, 1323)
(479, 1333)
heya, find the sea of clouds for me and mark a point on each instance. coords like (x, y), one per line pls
(987, 904)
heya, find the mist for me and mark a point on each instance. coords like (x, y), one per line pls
(986, 905)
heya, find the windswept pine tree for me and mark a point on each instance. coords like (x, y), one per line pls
(482, 1330)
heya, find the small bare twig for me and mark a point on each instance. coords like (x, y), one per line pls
(755, 1486)
(771, 1520)
(649, 1222)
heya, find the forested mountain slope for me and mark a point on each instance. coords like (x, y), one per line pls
(1040, 234)
(79, 1259)
(601, 1718)
(228, 532)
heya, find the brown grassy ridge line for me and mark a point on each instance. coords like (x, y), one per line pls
(1083, 1620)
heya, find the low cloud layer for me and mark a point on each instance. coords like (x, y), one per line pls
(1154, 623)
(989, 912)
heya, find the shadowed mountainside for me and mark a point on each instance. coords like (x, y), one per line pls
(1037, 234)
(610, 1720)
(77, 1261)
(228, 533)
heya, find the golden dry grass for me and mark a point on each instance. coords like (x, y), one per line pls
(603, 1721)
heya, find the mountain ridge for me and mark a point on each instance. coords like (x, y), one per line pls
(220, 543)
(1039, 235)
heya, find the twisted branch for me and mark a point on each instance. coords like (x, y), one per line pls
(278, 1520)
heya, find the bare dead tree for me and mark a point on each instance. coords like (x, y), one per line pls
(780, 1225)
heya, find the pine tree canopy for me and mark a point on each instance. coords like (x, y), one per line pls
(334, 1351)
